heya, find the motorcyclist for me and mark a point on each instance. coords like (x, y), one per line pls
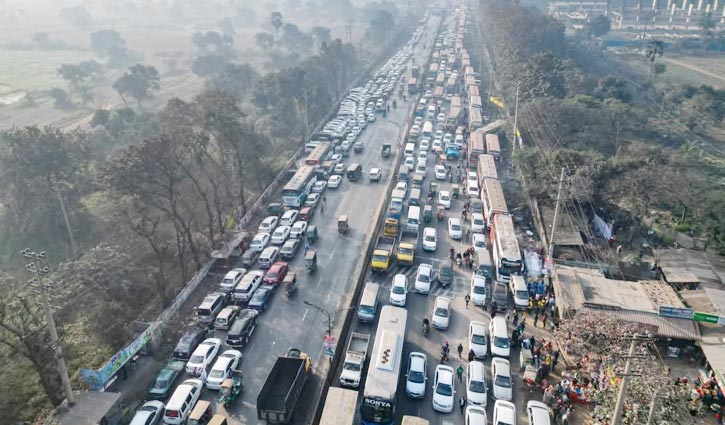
(426, 324)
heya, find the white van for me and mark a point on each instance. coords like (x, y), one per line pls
(413, 222)
(498, 334)
(268, 256)
(368, 303)
(246, 287)
(210, 307)
(517, 285)
(182, 401)
(409, 149)
(472, 189)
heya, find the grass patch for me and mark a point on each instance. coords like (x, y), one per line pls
(34, 70)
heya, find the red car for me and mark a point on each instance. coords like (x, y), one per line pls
(275, 274)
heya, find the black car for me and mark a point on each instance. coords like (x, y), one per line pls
(445, 274)
(243, 328)
(261, 297)
(188, 342)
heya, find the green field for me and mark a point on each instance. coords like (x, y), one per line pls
(33, 70)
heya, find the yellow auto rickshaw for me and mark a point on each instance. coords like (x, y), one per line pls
(342, 225)
(201, 414)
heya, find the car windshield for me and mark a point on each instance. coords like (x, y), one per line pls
(477, 387)
(380, 258)
(478, 339)
(501, 342)
(444, 198)
(503, 381)
(351, 366)
(480, 243)
(196, 359)
(423, 278)
(416, 377)
(455, 227)
(398, 290)
(161, 383)
(444, 389)
(216, 374)
(259, 296)
(430, 238)
(366, 309)
(478, 221)
(441, 312)
(479, 290)
(272, 275)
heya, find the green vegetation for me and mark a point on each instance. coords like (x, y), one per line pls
(630, 146)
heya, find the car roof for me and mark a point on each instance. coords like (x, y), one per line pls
(506, 410)
(444, 371)
(443, 300)
(424, 266)
(261, 235)
(502, 365)
(417, 359)
(478, 326)
(479, 281)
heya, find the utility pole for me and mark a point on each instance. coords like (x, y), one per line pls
(619, 406)
(67, 221)
(38, 280)
(516, 117)
(556, 217)
(325, 312)
(652, 408)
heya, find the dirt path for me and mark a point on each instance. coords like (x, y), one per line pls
(692, 68)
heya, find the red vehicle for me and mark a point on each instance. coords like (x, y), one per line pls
(306, 214)
(275, 274)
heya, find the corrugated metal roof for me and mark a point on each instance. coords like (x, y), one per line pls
(667, 327)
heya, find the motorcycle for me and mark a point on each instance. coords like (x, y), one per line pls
(426, 328)
(444, 356)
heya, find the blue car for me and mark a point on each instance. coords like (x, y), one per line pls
(452, 152)
(261, 298)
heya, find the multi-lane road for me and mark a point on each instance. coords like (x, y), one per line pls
(288, 322)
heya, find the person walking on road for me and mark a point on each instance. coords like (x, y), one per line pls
(462, 404)
(471, 356)
(536, 317)
(459, 372)
(467, 298)
(460, 350)
(307, 246)
(543, 320)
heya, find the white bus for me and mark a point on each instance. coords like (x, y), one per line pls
(318, 154)
(381, 385)
(339, 407)
(493, 200)
(506, 252)
(299, 186)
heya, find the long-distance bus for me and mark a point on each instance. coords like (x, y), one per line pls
(413, 85)
(475, 101)
(299, 186)
(381, 384)
(453, 117)
(474, 119)
(493, 147)
(486, 169)
(493, 200)
(506, 252)
(318, 154)
(475, 147)
(456, 102)
(339, 407)
(472, 90)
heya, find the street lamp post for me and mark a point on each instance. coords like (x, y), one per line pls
(38, 279)
(325, 312)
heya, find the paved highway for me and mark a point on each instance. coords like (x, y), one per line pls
(288, 322)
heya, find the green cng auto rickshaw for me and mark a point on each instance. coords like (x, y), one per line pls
(311, 261)
(311, 234)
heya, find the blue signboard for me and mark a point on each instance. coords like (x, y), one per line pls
(676, 312)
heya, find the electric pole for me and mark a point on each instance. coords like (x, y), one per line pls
(619, 406)
(556, 217)
(39, 272)
(516, 117)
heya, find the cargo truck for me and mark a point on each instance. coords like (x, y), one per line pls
(406, 248)
(357, 350)
(278, 398)
(382, 253)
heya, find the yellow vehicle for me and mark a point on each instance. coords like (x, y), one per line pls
(391, 227)
(382, 253)
(406, 249)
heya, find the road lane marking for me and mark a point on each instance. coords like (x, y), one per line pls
(307, 310)
(318, 283)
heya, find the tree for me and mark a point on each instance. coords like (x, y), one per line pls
(380, 26)
(234, 80)
(208, 65)
(264, 40)
(707, 24)
(598, 343)
(103, 40)
(79, 77)
(276, 21)
(294, 39)
(321, 35)
(220, 43)
(138, 83)
(61, 98)
(654, 50)
(613, 87)
(599, 26)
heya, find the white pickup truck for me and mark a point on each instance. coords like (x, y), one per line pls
(355, 356)
(375, 174)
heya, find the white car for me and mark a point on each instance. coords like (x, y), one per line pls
(259, 242)
(280, 235)
(298, 229)
(319, 186)
(148, 414)
(501, 379)
(441, 117)
(268, 224)
(371, 117)
(479, 241)
(538, 413)
(423, 278)
(455, 230)
(312, 200)
(443, 389)
(504, 413)
(422, 157)
(402, 186)
(204, 354)
(399, 290)
(424, 145)
(418, 121)
(289, 218)
(477, 340)
(437, 145)
(334, 181)
(472, 176)
(410, 163)
(447, 138)
(440, 172)
(375, 174)
(223, 367)
(444, 199)
(441, 313)
(476, 415)
(420, 167)
(231, 279)
(476, 389)
(416, 376)
(478, 290)
(477, 223)
(430, 239)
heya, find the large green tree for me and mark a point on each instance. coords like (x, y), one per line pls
(139, 82)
